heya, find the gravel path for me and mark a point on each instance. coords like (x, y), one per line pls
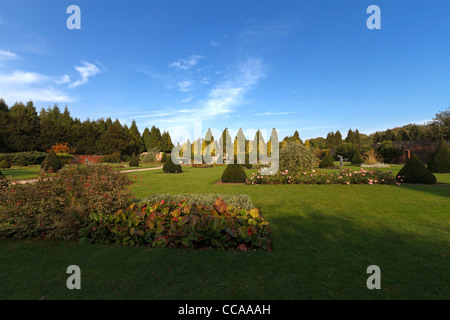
(126, 171)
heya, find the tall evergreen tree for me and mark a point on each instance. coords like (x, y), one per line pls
(337, 138)
(166, 142)
(136, 144)
(155, 138)
(23, 128)
(4, 124)
(358, 139)
(351, 138)
(147, 140)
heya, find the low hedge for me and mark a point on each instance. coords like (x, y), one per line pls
(242, 201)
(185, 225)
(234, 173)
(32, 157)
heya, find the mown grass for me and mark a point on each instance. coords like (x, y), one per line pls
(324, 238)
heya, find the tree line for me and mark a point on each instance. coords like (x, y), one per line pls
(22, 129)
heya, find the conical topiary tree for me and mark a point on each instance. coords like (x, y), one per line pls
(134, 161)
(22, 162)
(234, 173)
(414, 171)
(440, 162)
(4, 164)
(170, 167)
(327, 161)
(51, 162)
(357, 159)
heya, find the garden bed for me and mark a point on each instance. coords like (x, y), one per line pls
(180, 224)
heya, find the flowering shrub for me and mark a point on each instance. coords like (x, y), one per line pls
(180, 224)
(345, 176)
(58, 205)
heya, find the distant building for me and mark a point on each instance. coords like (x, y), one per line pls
(423, 149)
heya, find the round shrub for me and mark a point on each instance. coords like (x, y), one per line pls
(4, 164)
(414, 171)
(234, 173)
(22, 162)
(134, 161)
(170, 167)
(327, 161)
(51, 162)
(294, 157)
(357, 159)
(163, 157)
(440, 162)
(149, 157)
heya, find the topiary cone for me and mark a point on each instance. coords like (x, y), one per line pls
(414, 171)
(440, 162)
(234, 173)
(51, 162)
(170, 167)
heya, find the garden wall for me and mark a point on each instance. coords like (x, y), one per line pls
(423, 149)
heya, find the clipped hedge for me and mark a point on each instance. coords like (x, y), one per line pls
(357, 158)
(327, 161)
(184, 225)
(3, 182)
(4, 164)
(22, 162)
(52, 162)
(234, 173)
(134, 161)
(440, 162)
(414, 171)
(235, 200)
(32, 157)
(170, 167)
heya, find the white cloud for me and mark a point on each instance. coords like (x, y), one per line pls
(214, 44)
(273, 113)
(86, 71)
(186, 64)
(7, 54)
(23, 77)
(64, 79)
(185, 85)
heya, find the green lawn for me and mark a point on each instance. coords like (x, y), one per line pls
(324, 238)
(21, 173)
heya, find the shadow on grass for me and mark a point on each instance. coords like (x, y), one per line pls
(316, 256)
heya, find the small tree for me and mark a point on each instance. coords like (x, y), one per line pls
(134, 161)
(170, 167)
(327, 161)
(294, 157)
(4, 164)
(234, 173)
(440, 162)
(414, 171)
(22, 162)
(51, 162)
(357, 159)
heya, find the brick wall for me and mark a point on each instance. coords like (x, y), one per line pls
(82, 159)
(423, 149)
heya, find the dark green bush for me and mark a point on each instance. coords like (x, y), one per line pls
(22, 162)
(440, 162)
(32, 157)
(170, 167)
(357, 159)
(414, 171)
(388, 151)
(134, 161)
(4, 164)
(111, 158)
(163, 157)
(327, 161)
(51, 162)
(234, 173)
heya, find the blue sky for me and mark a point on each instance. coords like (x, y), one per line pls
(311, 66)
